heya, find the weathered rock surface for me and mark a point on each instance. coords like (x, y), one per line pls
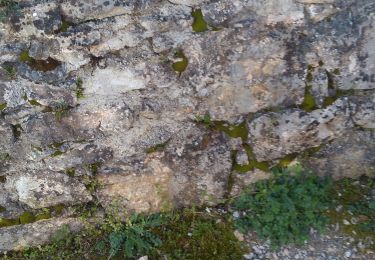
(19, 237)
(99, 99)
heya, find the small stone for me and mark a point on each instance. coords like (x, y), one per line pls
(249, 256)
(345, 222)
(143, 258)
(257, 250)
(286, 252)
(348, 254)
(236, 214)
(239, 235)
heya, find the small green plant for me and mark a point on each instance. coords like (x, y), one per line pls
(206, 120)
(134, 238)
(285, 207)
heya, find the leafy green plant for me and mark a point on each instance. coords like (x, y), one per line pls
(285, 207)
(134, 238)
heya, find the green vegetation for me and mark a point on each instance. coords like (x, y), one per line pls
(181, 65)
(25, 57)
(285, 207)
(199, 24)
(33, 102)
(65, 25)
(7, 8)
(16, 130)
(191, 234)
(11, 71)
(60, 110)
(134, 237)
(187, 234)
(79, 89)
(157, 148)
(353, 208)
(309, 103)
(4, 157)
(40, 65)
(3, 106)
(206, 120)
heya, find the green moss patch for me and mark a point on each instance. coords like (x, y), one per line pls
(199, 24)
(309, 103)
(39, 65)
(180, 66)
(3, 106)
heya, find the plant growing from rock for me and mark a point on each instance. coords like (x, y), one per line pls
(285, 207)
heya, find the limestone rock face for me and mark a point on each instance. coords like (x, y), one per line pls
(148, 104)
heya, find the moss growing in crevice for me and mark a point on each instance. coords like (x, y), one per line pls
(40, 65)
(65, 25)
(234, 131)
(5, 222)
(71, 172)
(17, 130)
(253, 163)
(3, 106)
(79, 88)
(199, 24)
(181, 65)
(309, 103)
(157, 148)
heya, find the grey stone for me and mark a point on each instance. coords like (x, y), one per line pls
(29, 235)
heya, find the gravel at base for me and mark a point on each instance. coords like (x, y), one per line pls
(331, 246)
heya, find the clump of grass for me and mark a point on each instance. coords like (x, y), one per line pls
(285, 207)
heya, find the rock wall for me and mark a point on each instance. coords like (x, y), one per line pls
(149, 104)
